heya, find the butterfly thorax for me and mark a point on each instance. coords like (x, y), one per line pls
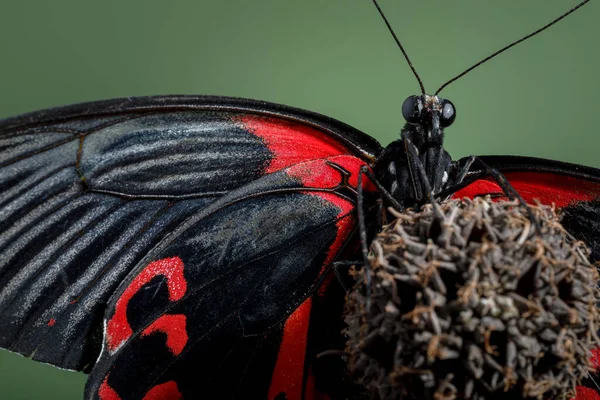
(419, 155)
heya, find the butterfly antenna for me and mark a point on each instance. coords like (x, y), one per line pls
(401, 47)
(510, 45)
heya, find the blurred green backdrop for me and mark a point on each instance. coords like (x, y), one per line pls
(334, 57)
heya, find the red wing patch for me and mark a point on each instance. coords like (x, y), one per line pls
(163, 391)
(174, 327)
(118, 329)
(596, 358)
(584, 393)
(548, 188)
(289, 370)
(291, 142)
(105, 392)
(481, 187)
(320, 174)
(353, 165)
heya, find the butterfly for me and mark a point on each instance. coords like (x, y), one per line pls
(175, 246)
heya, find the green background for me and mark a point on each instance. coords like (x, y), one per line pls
(334, 57)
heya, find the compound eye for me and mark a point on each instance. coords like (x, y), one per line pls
(411, 109)
(448, 114)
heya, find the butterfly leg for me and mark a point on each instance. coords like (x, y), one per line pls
(412, 155)
(508, 189)
(421, 181)
(385, 194)
(344, 266)
(365, 171)
(464, 170)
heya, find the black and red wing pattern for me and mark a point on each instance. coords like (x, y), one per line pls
(549, 181)
(573, 188)
(181, 238)
(213, 289)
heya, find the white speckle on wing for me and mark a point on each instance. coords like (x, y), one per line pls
(394, 186)
(445, 177)
(392, 168)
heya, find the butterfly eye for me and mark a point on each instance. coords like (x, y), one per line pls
(448, 114)
(411, 109)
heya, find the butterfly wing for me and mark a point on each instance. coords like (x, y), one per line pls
(574, 188)
(135, 223)
(548, 181)
(204, 302)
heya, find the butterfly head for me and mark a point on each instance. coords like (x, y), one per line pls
(432, 113)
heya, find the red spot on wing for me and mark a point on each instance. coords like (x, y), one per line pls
(325, 283)
(596, 357)
(353, 164)
(290, 142)
(118, 329)
(315, 174)
(548, 188)
(288, 375)
(164, 391)
(584, 393)
(175, 329)
(51, 322)
(478, 188)
(319, 174)
(105, 392)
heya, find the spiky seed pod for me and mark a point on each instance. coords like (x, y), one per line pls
(469, 301)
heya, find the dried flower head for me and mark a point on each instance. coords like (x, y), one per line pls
(469, 301)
